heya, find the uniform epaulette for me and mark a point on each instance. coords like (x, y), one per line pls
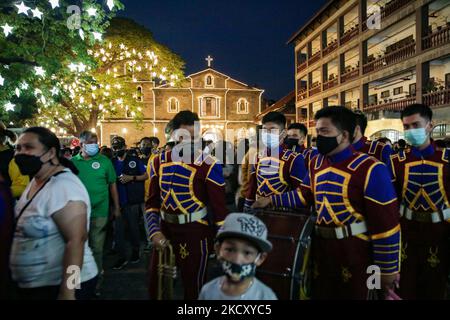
(359, 160)
(373, 147)
(286, 154)
(445, 154)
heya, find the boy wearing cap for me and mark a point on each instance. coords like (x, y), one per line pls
(241, 247)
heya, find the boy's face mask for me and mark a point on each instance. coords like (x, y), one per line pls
(238, 272)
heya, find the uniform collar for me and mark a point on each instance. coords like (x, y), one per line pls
(360, 143)
(341, 156)
(428, 151)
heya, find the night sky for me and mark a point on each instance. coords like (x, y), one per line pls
(246, 38)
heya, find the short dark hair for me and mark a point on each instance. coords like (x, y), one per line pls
(401, 143)
(341, 117)
(361, 120)
(155, 140)
(423, 110)
(299, 126)
(185, 117)
(149, 139)
(276, 117)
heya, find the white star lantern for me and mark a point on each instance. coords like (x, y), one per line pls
(2, 80)
(97, 36)
(110, 4)
(54, 3)
(37, 13)
(54, 91)
(81, 67)
(73, 67)
(39, 71)
(9, 106)
(24, 85)
(22, 8)
(7, 29)
(92, 12)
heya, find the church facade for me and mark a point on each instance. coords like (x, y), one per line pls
(222, 103)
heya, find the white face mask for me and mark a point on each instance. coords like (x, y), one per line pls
(270, 140)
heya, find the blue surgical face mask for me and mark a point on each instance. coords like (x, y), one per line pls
(91, 149)
(270, 140)
(416, 137)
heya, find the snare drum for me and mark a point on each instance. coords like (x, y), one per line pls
(286, 270)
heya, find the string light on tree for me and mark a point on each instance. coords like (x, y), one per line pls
(2, 80)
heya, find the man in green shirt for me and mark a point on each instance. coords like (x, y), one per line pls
(99, 177)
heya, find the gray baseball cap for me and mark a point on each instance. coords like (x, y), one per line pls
(246, 226)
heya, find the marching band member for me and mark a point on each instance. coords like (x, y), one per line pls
(421, 177)
(376, 148)
(295, 141)
(176, 209)
(358, 219)
(277, 169)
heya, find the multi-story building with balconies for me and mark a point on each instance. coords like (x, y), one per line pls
(377, 56)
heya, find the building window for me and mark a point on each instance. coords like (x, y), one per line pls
(173, 105)
(242, 106)
(139, 95)
(209, 107)
(209, 81)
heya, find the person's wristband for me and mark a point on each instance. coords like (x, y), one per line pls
(134, 178)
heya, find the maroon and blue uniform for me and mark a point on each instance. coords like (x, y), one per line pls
(179, 195)
(377, 149)
(275, 174)
(357, 222)
(421, 178)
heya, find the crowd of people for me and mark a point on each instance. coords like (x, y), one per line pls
(377, 203)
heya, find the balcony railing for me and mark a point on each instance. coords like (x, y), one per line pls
(302, 66)
(330, 84)
(302, 94)
(349, 75)
(391, 58)
(314, 58)
(397, 105)
(330, 48)
(392, 6)
(316, 89)
(386, 11)
(437, 38)
(437, 98)
(350, 34)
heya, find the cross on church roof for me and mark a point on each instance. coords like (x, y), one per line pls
(209, 59)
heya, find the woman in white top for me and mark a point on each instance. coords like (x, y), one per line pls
(50, 258)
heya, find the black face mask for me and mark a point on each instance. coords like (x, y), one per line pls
(146, 151)
(291, 142)
(326, 144)
(29, 165)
